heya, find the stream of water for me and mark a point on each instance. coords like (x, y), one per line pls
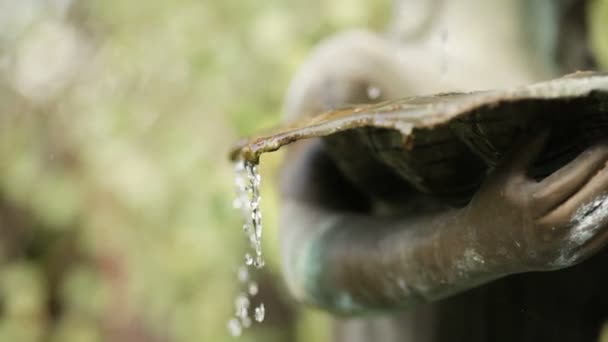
(247, 183)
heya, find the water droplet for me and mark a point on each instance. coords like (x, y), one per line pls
(234, 327)
(243, 274)
(241, 305)
(247, 229)
(259, 263)
(373, 92)
(260, 312)
(239, 182)
(248, 259)
(246, 322)
(253, 288)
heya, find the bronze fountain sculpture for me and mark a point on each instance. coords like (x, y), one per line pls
(462, 216)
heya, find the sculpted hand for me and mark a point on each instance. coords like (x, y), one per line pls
(522, 224)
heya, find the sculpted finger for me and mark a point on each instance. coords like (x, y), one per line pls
(598, 242)
(588, 234)
(556, 188)
(588, 203)
(519, 159)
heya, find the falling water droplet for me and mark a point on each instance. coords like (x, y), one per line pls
(258, 263)
(373, 92)
(260, 312)
(246, 228)
(243, 274)
(248, 259)
(234, 327)
(253, 288)
(246, 322)
(241, 306)
(240, 182)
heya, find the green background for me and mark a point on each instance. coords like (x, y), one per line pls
(116, 218)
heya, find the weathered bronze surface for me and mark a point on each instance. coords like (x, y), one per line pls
(444, 144)
(454, 217)
(464, 271)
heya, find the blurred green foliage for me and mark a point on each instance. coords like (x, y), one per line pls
(115, 190)
(597, 15)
